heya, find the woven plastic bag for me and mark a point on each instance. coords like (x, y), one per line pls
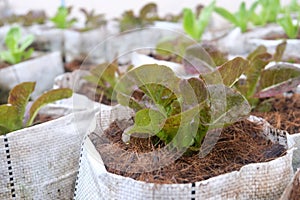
(265, 180)
(42, 69)
(296, 154)
(41, 162)
(80, 44)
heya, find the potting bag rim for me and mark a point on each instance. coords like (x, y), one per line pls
(91, 160)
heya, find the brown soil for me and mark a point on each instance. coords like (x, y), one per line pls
(295, 193)
(284, 113)
(3, 65)
(237, 146)
(77, 64)
(170, 58)
(278, 36)
(41, 118)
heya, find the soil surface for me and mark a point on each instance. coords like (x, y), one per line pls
(278, 36)
(41, 118)
(284, 113)
(77, 64)
(238, 145)
(3, 65)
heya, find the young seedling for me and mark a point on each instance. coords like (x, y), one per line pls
(176, 47)
(17, 47)
(93, 20)
(195, 25)
(239, 19)
(61, 20)
(269, 10)
(33, 17)
(294, 6)
(260, 82)
(147, 15)
(12, 114)
(105, 76)
(177, 111)
(286, 22)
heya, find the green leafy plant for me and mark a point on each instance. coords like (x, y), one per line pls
(264, 82)
(195, 25)
(33, 17)
(269, 10)
(12, 115)
(177, 111)
(105, 76)
(93, 20)
(147, 15)
(61, 20)
(239, 19)
(28, 19)
(17, 46)
(293, 6)
(259, 82)
(175, 48)
(290, 28)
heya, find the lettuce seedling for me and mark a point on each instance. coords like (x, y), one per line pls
(260, 82)
(239, 19)
(17, 46)
(33, 17)
(293, 6)
(178, 111)
(12, 114)
(147, 15)
(93, 20)
(195, 25)
(176, 48)
(105, 76)
(61, 20)
(286, 22)
(269, 10)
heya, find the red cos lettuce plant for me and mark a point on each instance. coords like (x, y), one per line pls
(147, 15)
(179, 111)
(12, 114)
(260, 82)
(105, 76)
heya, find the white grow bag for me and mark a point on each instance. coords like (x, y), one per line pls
(79, 45)
(120, 45)
(42, 69)
(296, 154)
(237, 43)
(265, 180)
(47, 38)
(41, 162)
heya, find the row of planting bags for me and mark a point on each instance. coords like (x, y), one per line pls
(100, 44)
(56, 160)
(106, 43)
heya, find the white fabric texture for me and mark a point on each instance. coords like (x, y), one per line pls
(42, 69)
(81, 45)
(41, 162)
(265, 180)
